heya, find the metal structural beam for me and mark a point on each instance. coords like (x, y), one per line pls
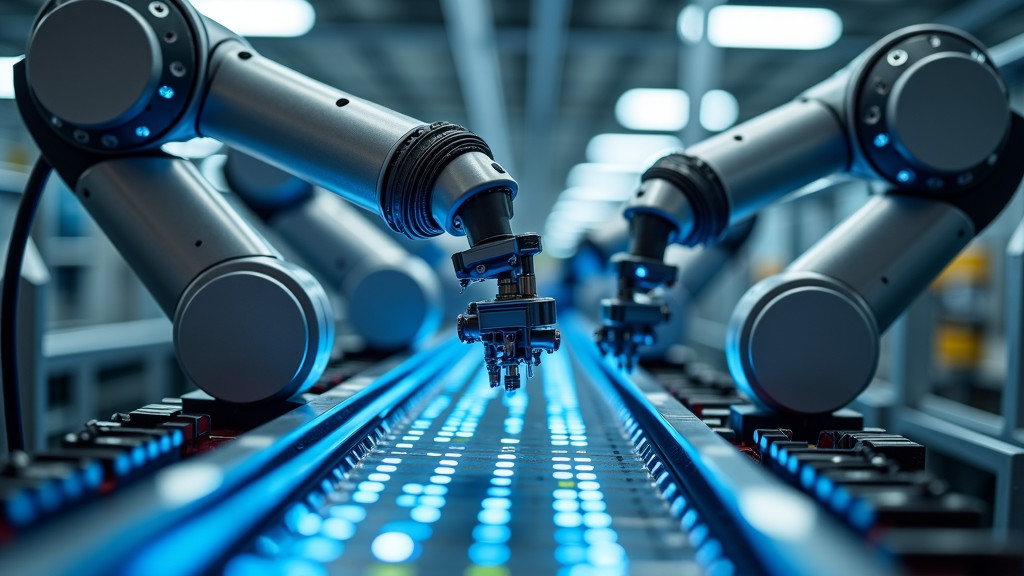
(544, 75)
(1013, 391)
(700, 70)
(471, 32)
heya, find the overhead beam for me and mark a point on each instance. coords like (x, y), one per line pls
(546, 60)
(700, 70)
(471, 31)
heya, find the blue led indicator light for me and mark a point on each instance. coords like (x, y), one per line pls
(881, 140)
(489, 554)
(138, 456)
(641, 272)
(425, 514)
(166, 92)
(142, 132)
(20, 510)
(905, 176)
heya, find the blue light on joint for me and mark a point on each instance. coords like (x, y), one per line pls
(881, 140)
(641, 272)
(142, 132)
(166, 92)
(905, 176)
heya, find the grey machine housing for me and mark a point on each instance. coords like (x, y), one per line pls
(392, 298)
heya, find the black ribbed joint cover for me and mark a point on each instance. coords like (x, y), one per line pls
(703, 190)
(412, 171)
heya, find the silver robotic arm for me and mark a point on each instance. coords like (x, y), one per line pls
(105, 83)
(923, 110)
(392, 297)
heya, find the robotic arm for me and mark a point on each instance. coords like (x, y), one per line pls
(392, 298)
(923, 110)
(105, 83)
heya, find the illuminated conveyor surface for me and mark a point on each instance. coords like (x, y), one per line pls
(422, 469)
(473, 479)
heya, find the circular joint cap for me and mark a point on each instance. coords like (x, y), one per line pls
(802, 347)
(948, 113)
(391, 307)
(253, 329)
(93, 63)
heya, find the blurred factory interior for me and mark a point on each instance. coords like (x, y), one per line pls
(575, 99)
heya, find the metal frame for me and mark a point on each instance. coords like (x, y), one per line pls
(993, 443)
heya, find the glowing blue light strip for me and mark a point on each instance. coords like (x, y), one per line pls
(741, 491)
(584, 535)
(491, 534)
(426, 500)
(257, 499)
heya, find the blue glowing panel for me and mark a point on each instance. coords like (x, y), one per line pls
(473, 481)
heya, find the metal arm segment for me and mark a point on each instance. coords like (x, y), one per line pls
(806, 340)
(248, 326)
(421, 179)
(392, 297)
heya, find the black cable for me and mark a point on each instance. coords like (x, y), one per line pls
(9, 302)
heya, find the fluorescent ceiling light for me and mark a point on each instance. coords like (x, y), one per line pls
(691, 24)
(598, 193)
(718, 110)
(630, 149)
(561, 246)
(582, 211)
(773, 27)
(664, 109)
(7, 76)
(610, 176)
(278, 18)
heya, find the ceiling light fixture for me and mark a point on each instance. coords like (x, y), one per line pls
(7, 76)
(718, 110)
(662, 109)
(629, 149)
(774, 27)
(269, 18)
(691, 24)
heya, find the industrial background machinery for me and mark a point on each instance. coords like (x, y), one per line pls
(404, 457)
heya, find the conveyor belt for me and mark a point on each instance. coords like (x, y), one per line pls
(421, 468)
(534, 482)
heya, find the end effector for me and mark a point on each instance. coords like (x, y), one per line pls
(628, 319)
(517, 326)
(631, 318)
